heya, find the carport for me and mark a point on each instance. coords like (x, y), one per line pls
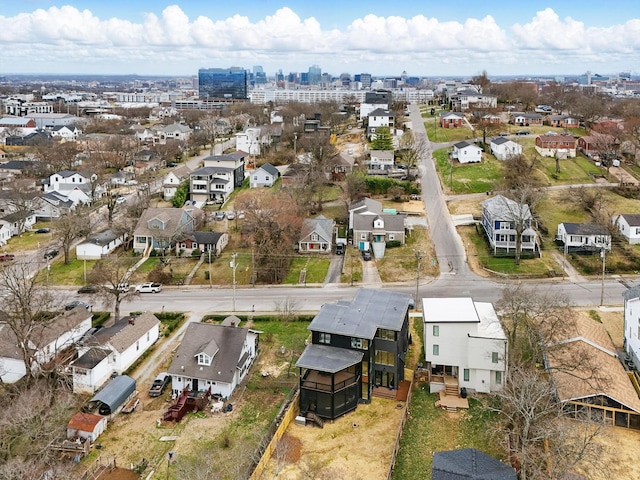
(114, 394)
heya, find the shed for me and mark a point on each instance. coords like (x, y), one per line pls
(86, 425)
(114, 394)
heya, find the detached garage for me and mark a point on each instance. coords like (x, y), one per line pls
(114, 394)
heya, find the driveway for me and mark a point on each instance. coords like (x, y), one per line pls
(335, 269)
(370, 275)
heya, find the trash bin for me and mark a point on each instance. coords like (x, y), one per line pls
(463, 392)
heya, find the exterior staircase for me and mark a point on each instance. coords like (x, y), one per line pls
(312, 417)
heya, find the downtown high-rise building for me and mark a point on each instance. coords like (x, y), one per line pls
(223, 83)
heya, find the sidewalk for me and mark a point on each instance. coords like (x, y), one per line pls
(568, 270)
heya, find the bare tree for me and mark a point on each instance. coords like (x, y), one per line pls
(24, 306)
(411, 150)
(111, 277)
(71, 227)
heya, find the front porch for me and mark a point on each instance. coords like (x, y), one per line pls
(448, 389)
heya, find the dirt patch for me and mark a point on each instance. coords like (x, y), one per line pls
(338, 450)
(623, 176)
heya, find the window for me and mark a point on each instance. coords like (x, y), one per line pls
(494, 357)
(314, 237)
(138, 345)
(385, 358)
(360, 343)
(436, 330)
(392, 236)
(325, 338)
(436, 350)
(385, 334)
(465, 374)
(363, 236)
(255, 177)
(204, 359)
(499, 378)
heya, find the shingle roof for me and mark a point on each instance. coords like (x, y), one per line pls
(321, 225)
(633, 219)
(503, 208)
(392, 223)
(205, 336)
(267, 167)
(585, 229)
(369, 310)
(469, 463)
(124, 333)
(328, 359)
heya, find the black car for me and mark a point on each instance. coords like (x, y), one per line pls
(523, 132)
(88, 289)
(366, 255)
(43, 230)
(76, 303)
(172, 164)
(50, 253)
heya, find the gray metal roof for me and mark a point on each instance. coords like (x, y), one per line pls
(267, 167)
(369, 310)
(585, 229)
(469, 463)
(328, 359)
(116, 392)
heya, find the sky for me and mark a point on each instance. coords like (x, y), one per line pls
(381, 37)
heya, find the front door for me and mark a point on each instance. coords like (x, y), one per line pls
(385, 379)
(194, 385)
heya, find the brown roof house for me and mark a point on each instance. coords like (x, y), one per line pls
(112, 349)
(160, 228)
(213, 358)
(556, 146)
(86, 425)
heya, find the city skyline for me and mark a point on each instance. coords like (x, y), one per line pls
(164, 38)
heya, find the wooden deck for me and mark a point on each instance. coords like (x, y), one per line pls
(451, 403)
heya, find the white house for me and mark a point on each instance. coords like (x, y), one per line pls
(66, 132)
(265, 176)
(86, 425)
(503, 148)
(19, 222)
(632, 323)
(177, 131)
(365, 206)
(629, 226)
(499, 217)
(466, 152)
(46, 340)
(72, 185)
(96, 245)
(173, 179)
(380, 117)
(52, 205)
(581, 237)
(464, 342)
(213, 357)
(5, 233)
(381, 160)
(316, 235)
(250, 140)
(113, 349)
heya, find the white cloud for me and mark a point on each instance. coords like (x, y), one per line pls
(66, 34)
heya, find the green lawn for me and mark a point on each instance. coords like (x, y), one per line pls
(437, 134)
(468, 178)
(430, 429)
(316, 268)
(29, 240)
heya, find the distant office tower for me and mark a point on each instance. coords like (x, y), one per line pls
(345, 80)
(223, 83)
(279, 76)
(365, 79)
(304, 78)
(315, 73)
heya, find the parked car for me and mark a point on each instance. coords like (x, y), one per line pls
(523, 132)
(366, 255)
(149, 287)
(43, 230)
(340, 249)
(503, 134)
(51, 253)
(159, 384)
(231, 215)
(219, 215)
(120, 200)
(240, 215)
(172, 164)
(77, 303)
(88, 289)
(7, 257)
(123, 287)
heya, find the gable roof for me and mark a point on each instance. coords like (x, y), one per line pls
(171, 217)
(501, 207)
(126, 331)
(590, 340)
(585, 229)
(270, 169)
(633, 219)
(367, 204)
(469, 463)
(369, 310)
(321, 225)
(327, 358)
(85, 422)
(381, 112)
(392, 223)
(200, 337)
(465, 144)
(105, 237)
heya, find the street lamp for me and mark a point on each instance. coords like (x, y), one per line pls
(418, 258)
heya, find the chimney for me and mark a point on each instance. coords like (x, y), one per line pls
(132, 320)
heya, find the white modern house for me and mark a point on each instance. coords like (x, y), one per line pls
(113, 349)
(381, 160)
(213, 357)
(250, 140)
(466, 152)
(73, 185)
(504, 149)
(173, 179)
(46, 341)
(380, 117)
(632, 323)
(629, 226)
(464, 342)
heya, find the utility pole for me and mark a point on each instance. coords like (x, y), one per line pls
(603, 255)
(234, 265)
(418, 258)
(210, 284)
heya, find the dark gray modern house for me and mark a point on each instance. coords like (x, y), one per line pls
(355, 346)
